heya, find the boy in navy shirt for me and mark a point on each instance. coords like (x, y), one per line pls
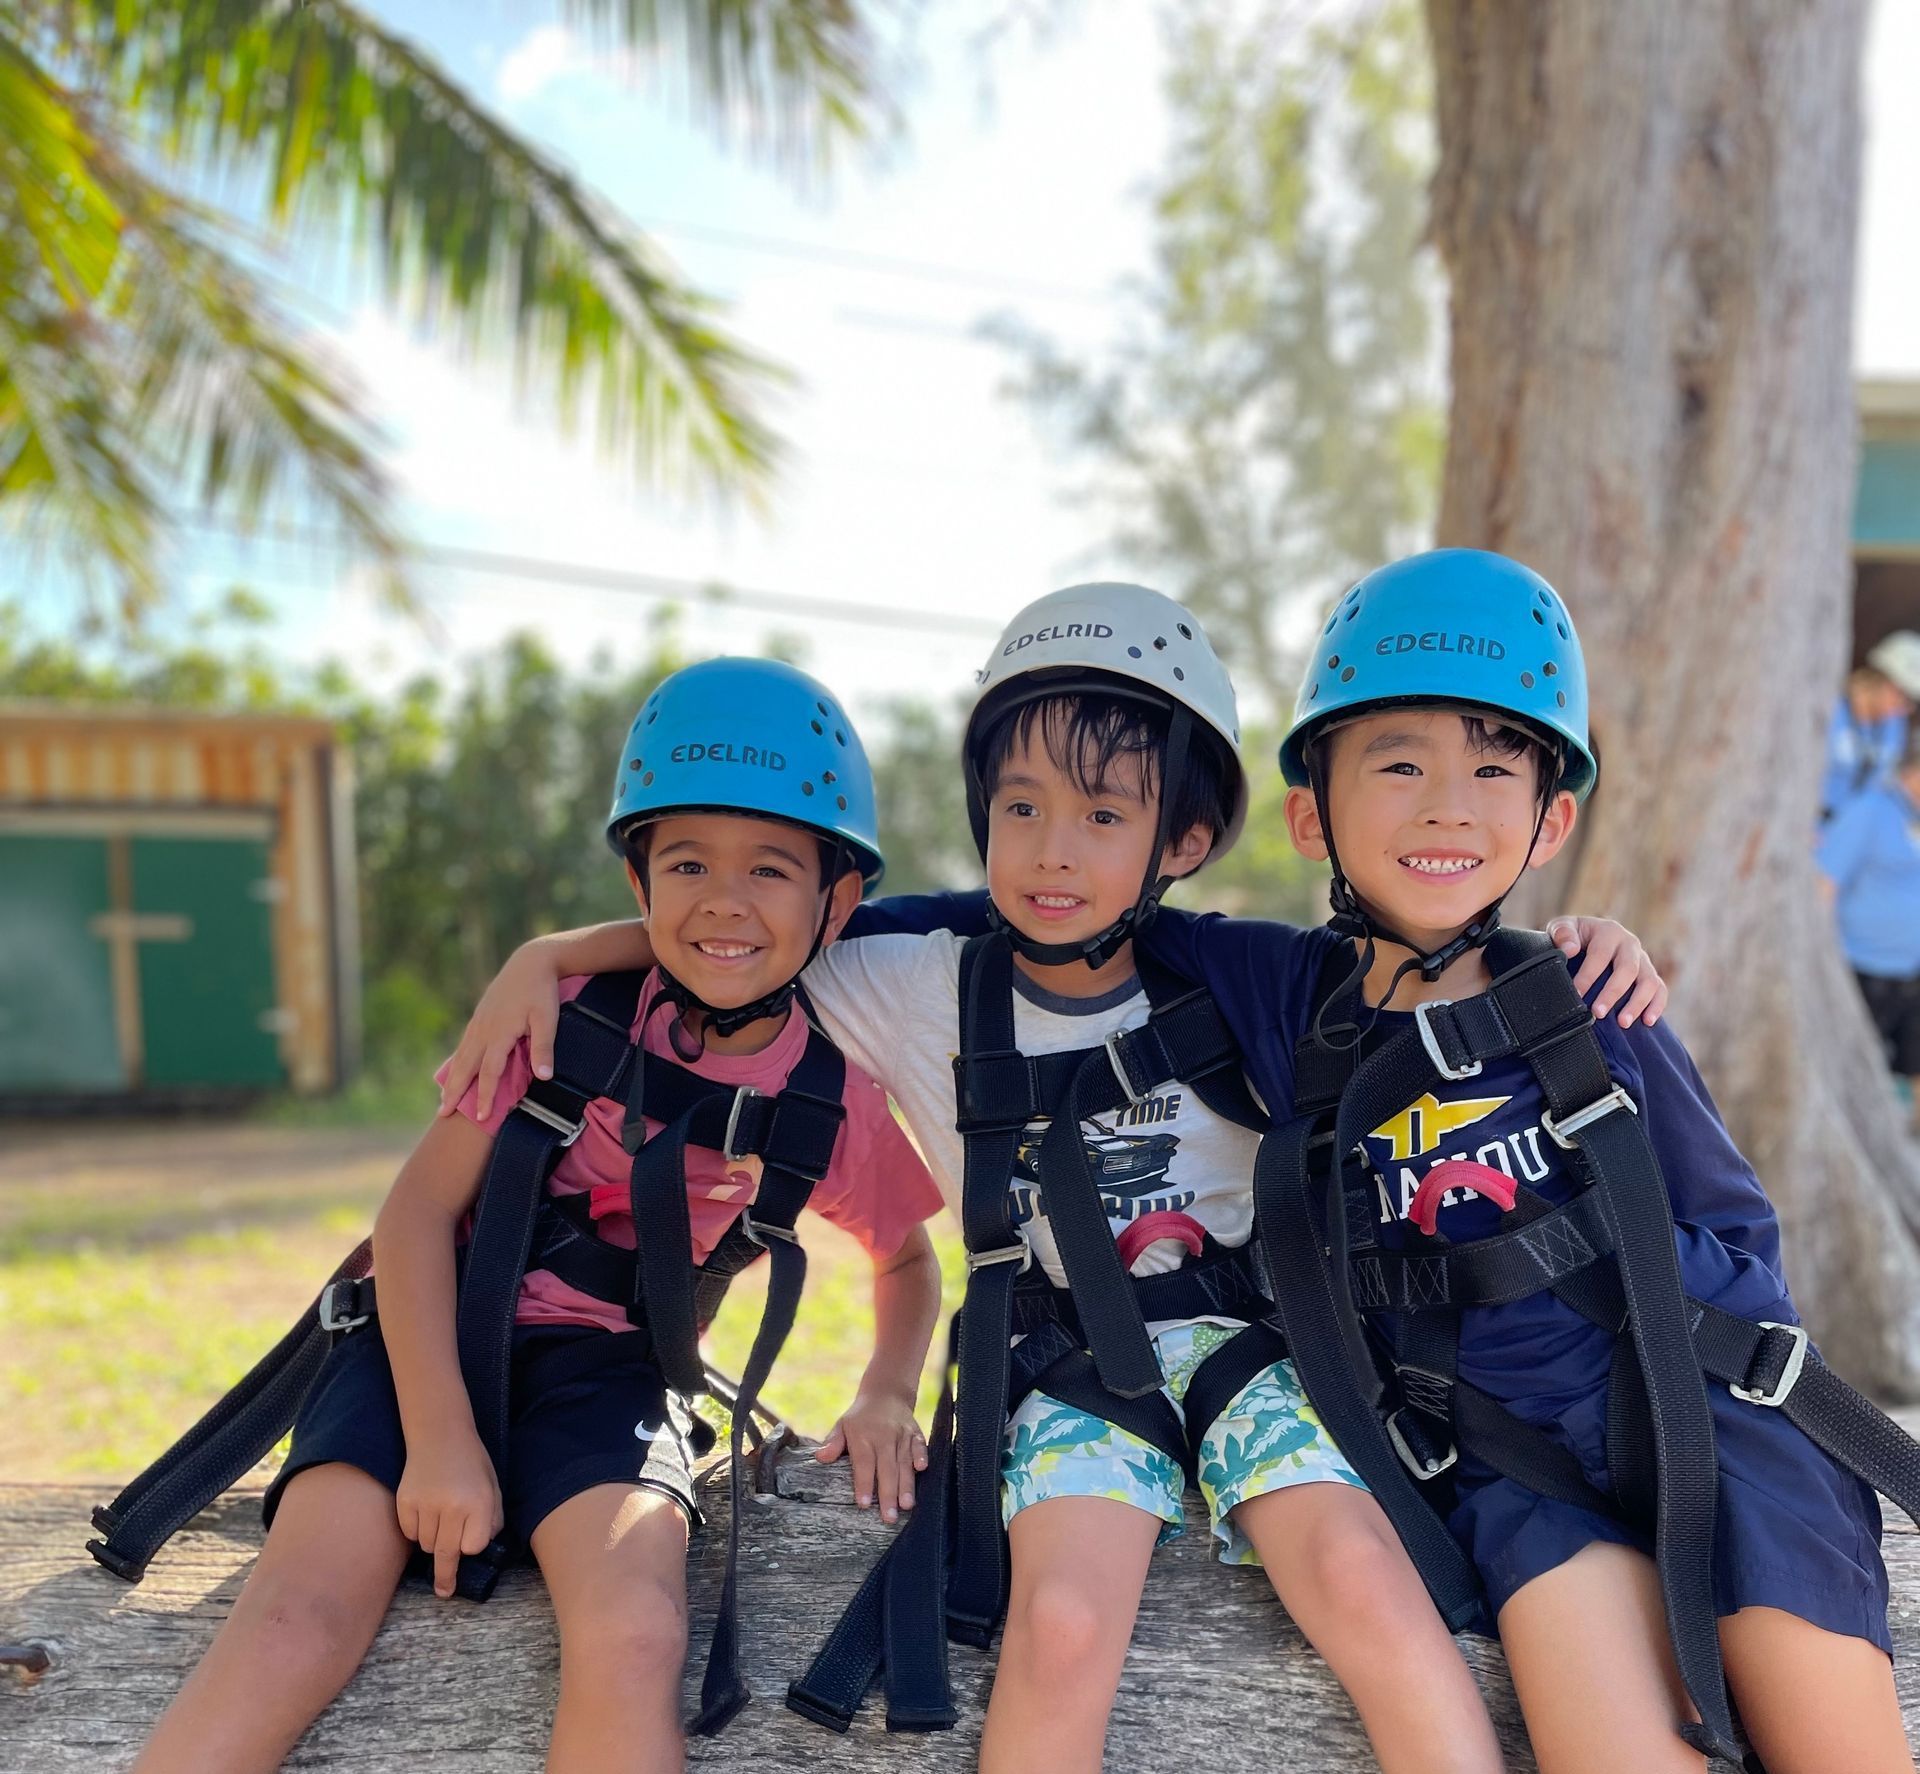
(1439, 750)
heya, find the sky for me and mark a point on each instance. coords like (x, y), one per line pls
(916, 482)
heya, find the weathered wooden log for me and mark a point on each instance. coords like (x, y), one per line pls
(1218, 1678)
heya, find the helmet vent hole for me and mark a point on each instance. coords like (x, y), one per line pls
(1180, 675)
(653, 714)
(647, 780)
(840, 736)
(1333, 661)
(1550, 669)
(815, 725)
(1159, 643)
(840, 801)
(806, 788)
(1561, 629)
(636, 763)
(1540, 619)
(1133, 652)
(822, 707)
(1346, 677)
(828, 776)
(1331, 620)
(1545, 596)
(1526, 680)
(1353, 611)
(1560, 696)
(1313, 693)
(1186, 634)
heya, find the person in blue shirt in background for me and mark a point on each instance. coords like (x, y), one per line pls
(1868, 729)
(1869, 859)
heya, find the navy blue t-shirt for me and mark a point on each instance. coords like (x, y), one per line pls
(1536, 1353)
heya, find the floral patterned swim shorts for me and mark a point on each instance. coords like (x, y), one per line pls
(1267, 1439)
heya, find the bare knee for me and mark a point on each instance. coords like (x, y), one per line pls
(295, 1621)
(1063, 1635)
(631, 1633)
(1353, 1577)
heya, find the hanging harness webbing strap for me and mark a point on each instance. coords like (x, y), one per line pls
(548, 1119)
(232, 1438)
(804, 1142)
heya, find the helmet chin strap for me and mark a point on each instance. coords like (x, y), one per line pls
(723, 1022)
(1099, 949)
(1352, 917)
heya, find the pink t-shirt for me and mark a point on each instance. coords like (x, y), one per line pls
(876, 1187)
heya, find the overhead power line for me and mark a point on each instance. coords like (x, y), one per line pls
(714, 594)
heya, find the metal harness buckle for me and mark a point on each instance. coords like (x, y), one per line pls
(1431, 1042)
(331, 1318)
(1561, 1132)
(1421, 1469)
(1789, 1375)
(1020, 1251)
(758, 1233)
(1117, 1060)
(733, 1125)
(569, 1131)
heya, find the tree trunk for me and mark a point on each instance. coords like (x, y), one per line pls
(1648, 214)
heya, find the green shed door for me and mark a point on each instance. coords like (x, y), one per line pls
(206, 984)
(56, 976)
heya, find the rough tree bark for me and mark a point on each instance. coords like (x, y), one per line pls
(1648, 213)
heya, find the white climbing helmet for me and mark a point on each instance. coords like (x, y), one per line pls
(1897, 658)
(1097, 633)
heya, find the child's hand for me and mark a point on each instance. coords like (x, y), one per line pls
(1607, 944)
(523, 999)
(449, 1502)
(879, 1436)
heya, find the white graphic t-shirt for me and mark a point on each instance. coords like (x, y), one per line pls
(892, 1005)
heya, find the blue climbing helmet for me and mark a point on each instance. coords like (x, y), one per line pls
(748, 736)
(1460, 626)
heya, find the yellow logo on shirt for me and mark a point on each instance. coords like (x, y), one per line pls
(1426, 1121)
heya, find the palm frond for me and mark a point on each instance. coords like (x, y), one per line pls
(476, 233)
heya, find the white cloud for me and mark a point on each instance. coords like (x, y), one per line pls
(546, 54)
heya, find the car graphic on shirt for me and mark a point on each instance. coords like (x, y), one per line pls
(1123, 1164)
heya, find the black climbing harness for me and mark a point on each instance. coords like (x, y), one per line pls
(518, 1227)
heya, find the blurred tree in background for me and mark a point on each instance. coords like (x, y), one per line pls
(151, 359)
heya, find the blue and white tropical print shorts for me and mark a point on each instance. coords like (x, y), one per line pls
(1267, 1439)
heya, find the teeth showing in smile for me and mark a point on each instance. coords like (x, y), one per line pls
(725, 951)
(1442, 865)
(1054, 902)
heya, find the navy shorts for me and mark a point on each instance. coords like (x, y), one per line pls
(587, 1408)
(1794, 1531)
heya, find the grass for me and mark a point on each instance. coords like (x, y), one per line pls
(144, 1268)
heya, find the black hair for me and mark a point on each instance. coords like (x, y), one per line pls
(636, 841)
(1507, 739)
(1086, 732)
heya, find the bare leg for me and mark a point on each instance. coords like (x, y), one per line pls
(1079, 1564)
(301, 1625)
(1587, 1645)
(615, 1561)
(1813, 1700)
(1337, 1565)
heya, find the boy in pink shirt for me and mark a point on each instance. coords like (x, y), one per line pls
(744, 811)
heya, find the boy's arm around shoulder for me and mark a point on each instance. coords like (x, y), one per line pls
(449, 1495)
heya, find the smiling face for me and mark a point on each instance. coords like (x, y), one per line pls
(1433, 813)
(733, 904)
(1067, 850)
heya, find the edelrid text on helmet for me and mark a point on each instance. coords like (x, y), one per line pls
(1459, 626)
(1126, 635)
(750, 736)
